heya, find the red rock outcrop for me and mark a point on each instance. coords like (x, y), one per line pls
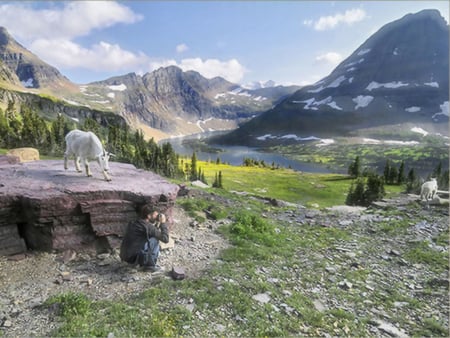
(44, 207)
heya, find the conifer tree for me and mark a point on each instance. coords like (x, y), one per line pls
(216, 181)
(220, 180)
(354, 169)
(193, 174)
(393, 175)
(387, 171)
(411, 181)
(401, 173)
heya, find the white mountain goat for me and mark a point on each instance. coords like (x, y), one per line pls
(86, 146)
(428, 189)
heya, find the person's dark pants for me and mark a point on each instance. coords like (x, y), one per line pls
(150, 252)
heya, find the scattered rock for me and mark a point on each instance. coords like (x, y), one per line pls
(262, 297)
(178, 273)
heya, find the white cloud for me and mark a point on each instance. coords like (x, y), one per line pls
(50, 33)
(35, 28)
(230, 70)
(99, 57)
(182, 48)
(330, 22)
(72, 20)
(332, 58)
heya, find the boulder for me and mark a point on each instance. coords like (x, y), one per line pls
(25, 154)
(49, 208)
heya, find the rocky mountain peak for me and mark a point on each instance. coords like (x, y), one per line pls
(398, 76)
(31, 71)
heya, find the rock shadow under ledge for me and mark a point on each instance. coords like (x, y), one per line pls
(44, 207)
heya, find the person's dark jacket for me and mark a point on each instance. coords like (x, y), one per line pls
(136, 236)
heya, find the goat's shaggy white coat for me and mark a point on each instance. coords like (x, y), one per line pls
(86, 146)
(429, 189)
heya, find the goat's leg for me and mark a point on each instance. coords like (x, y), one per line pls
(66, 155)
(77, 164)
(88, 169)
(105, 174)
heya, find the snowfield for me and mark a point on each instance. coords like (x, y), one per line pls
(444, 110)
(412, 109)
(362, 101)
(391, 85)
(119, 88)
(432, 84)
(312, 102)
(322, 142)
(28, 83)
(364, 51)
(419, 130)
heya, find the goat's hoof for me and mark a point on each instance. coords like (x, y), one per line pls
(108, 180)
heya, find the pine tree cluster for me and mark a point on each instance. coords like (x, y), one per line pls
(25, 128)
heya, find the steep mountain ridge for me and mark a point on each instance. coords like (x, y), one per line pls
(167, 101)
(29, 70)
(179, 102)
(398, 76)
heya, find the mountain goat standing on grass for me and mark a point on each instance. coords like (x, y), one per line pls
(428, 189)
(85, 146)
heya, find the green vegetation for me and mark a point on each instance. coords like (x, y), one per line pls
(424, 156)
(26, 128)
(274, 259)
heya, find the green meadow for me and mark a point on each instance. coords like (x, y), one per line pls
(309, 189)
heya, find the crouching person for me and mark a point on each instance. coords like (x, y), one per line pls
(140, 244)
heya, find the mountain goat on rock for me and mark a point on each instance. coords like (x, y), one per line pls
(428, 189)
(86, 146)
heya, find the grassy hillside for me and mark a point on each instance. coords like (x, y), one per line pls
(288, 273)
(309, 189)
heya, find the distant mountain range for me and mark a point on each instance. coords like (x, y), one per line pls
(165, 102)
(397, 79)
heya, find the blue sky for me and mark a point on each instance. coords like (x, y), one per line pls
(290, 42)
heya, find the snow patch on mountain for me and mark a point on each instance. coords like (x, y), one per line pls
(315, 90)
(362, 101)
(419, 130)
(432, 84)
(312, 104)
(444, 110)
(354, 63)
(287, 137)
(119, 88)
(364, 51)
(412, 109)
(391, 85)
(259, 85)
(298, 138)
(111, 95)
(28, 83)
(245, 94)
(392, 142)
(337, 82)
(334, 105)
(325, 142)
(260, 98)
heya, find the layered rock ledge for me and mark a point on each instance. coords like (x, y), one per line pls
(44, 207)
